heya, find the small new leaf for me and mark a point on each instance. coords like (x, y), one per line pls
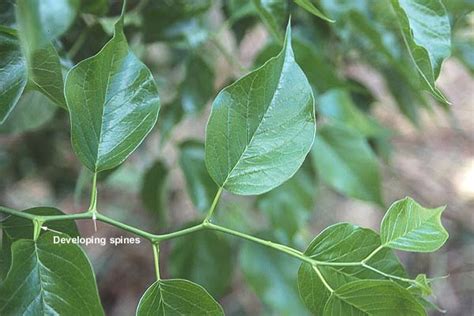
(409, 226)
(261, 127)
(113, 104)
(177, 297)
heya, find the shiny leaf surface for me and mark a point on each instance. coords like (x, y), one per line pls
(13, 75)
(113, 104)
(40, 280)
(261, 127)
(177, 297)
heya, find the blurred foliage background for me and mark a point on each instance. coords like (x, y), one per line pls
(380, 138)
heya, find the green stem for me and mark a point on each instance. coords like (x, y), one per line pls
(290, 251)
(228, 56)
(155, 239)
(156, 257)
(213, 206)
(93, 203)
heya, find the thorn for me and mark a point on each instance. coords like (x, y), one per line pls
(44, 228)
(94, 219)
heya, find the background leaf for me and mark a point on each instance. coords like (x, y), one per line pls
(273, 15)
(345, 161)
(113, 104)
(154, 192)
(263, 124)
(44, 68)
(180, 297)
(205, 258)
(200, 186)
(311, 8)
(409, 226)
(426, 32)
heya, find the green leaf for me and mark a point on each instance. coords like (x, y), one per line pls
(15, 228)
(200, 186)
(49, 278)
(343, 243)
(97, 7)
(163, 20)
(170, 116)
(409, 226)
(288, 207)
(273, 14)
(204, 258)
(261, 127)
(56, 16)
(33, 111)
(309, 6)
(337, 104)
(113, 104)
(198, 85)
(177, 297)
(154, 192)
(44, 68)
(345, 161)
(13, 76)
(272, 276)
(426, 32)
(375, 297)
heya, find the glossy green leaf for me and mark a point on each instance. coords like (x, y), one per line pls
(154, 192)
(13, 75)
(345, 161)
(200, 186)
(205, 258)
(44, 68)
(15, 228)
(113, 104)
(49, 278)
(337, 104)
(288, 207)
(273, 14)
(33, 111)
(272, 276)
(426, 32)
(198, 85)
(261, 127)
(411, 227)
(343, 243)
(311, 8)
(375, 297)
(177, 297)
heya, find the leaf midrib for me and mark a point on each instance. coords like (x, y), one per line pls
(274, 59)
